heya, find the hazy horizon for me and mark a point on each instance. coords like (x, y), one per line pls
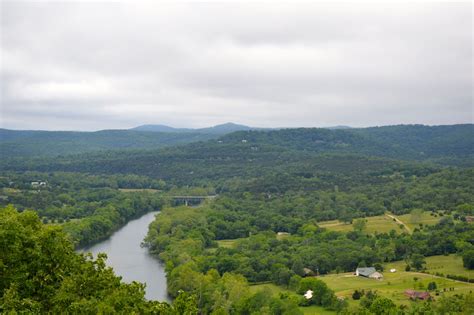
(256, 127)
(89, 66)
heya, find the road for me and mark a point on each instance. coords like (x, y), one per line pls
(399, 222)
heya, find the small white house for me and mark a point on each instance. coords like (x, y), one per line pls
(308, 295)
(393, 270)
(244, 141)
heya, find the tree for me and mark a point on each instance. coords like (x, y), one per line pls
(468, 259)
(417, 261)
(356, 295)
(432, 286)
(382, 305)
(359, 225)
(298, 267)
(322, 295)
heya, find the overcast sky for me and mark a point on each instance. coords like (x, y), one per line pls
(90, 66)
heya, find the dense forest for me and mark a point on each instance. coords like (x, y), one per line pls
(32, 143)
(273, 190)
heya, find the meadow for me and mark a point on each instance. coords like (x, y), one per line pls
(380, 224)
(447, 265)
(385, 223)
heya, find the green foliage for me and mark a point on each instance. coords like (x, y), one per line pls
(357, 295)
(432, 286)
(468, 259)
(382, 305)
(417, 261)
(359, 224)
(41, 273)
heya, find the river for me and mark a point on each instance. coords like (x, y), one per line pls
(131, 261)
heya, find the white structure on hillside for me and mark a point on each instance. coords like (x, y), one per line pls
(308, 295)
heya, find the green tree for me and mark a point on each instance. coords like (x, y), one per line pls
(468, 258)
(382, 305)
(417, 261)
(359, 225)
(432, 286)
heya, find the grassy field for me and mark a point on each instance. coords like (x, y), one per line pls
(226, 243)
(451, 264)
(230, 243)
(425, 219)
(393, 285)
(7, 190)
(384, 224)
(381, 224)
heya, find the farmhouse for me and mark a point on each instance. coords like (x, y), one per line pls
(417, 295)
(368, 272)
(469, 219)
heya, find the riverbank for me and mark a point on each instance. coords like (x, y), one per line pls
(130, 260)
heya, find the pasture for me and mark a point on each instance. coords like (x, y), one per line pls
(413, 221)
(380, 224)
(451, 265)
(384, 223)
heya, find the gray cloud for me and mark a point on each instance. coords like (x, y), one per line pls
(88, 66)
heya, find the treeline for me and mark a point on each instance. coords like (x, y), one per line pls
(41, 274)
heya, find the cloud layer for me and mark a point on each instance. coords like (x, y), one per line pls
(89, 66)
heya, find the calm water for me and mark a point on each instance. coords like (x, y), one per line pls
(131, 261)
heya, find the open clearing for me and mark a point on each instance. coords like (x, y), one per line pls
(447, 265)
(426, 219)
(385, 223)
(380, 224)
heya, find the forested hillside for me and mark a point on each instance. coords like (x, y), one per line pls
(53, 143)
(452, 145)
(412, 142)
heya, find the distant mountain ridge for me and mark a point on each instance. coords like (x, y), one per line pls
(218, 129)
(449, 144)
(253, 153)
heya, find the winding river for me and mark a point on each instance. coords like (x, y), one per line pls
(131, 261)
